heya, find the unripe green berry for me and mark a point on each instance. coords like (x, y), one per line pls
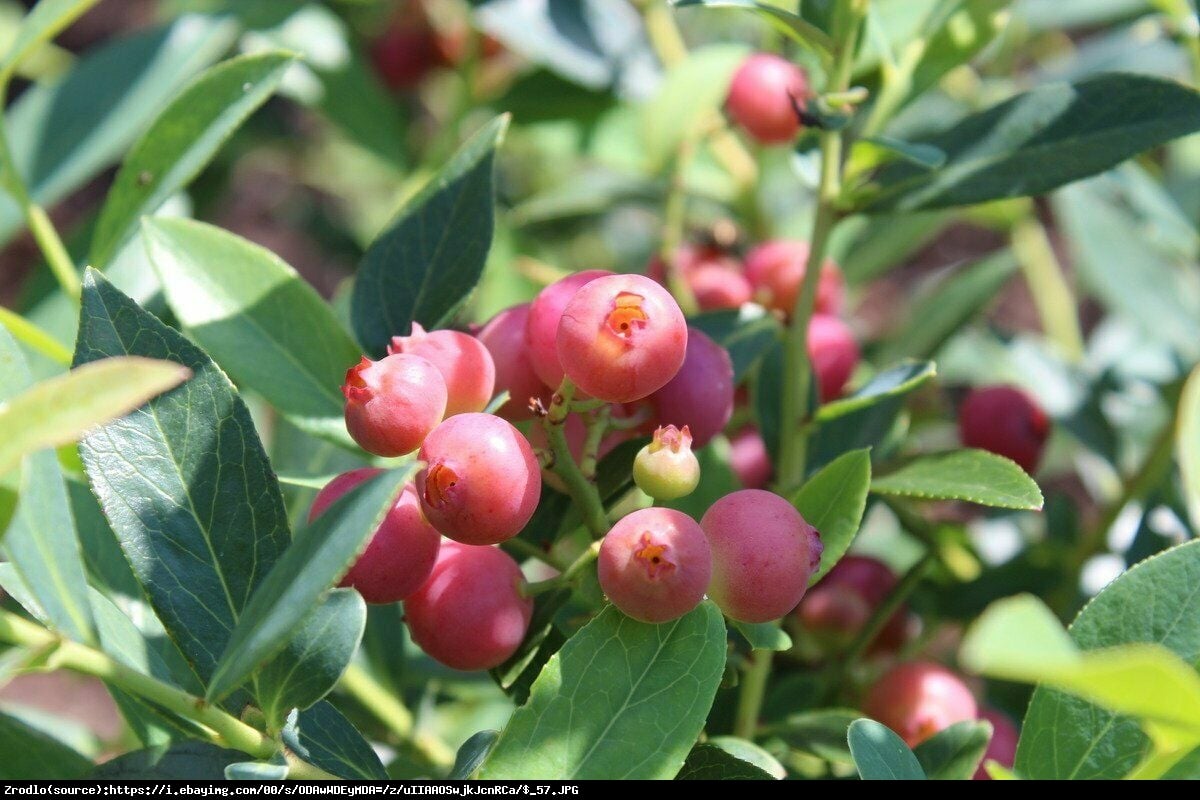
(667, 468)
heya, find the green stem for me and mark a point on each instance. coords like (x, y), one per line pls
(568, 575)
(597, 426)
(1051, 294)
(223, 729)
(880, 616)
(750, 696)
(530, 550)
(579, 487)
(372, 696)
(674, 221)
(25, 331)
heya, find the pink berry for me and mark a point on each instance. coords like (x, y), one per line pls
(465, 364)
(470, 614)
(655, 564)
(541, 328)
(761, 94)
(776, 269)
(401, 552)
(504, 337)
(919, 698)
(1005, 421)
(700, 395)
(1003, 746)
(838, 607)
(481, 482)
(749, 459)
(834, 354)
(715, 278)
(622, 337)
(392, 404)
(667, 469)
(763, 555)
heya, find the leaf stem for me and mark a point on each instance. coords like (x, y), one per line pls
(581, 488)
(568, 575)
(385, 707)
(1051, 294)
(530, 550)
(597, 426)
(33, 336)
(750, 696)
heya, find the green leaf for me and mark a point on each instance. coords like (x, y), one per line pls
(543, 639)
(904, 378)
(881, 149)
(1042, 139)
(976, 476)
(59, 410)
(693, 89)
(472, 753)
(953, 303)
(658, 685)
(954, 753)
(746, 333)
(326, 739)
(880, 755)
(431, 255)
(319, 555)
(43, 22)
(35, 755)
(763, 635)
(821, 733)
(794, 26)
(957, 36)
(181, 141)
(257, 771)
(707, 762)
(64, 132)
(750, 753)
(316, 655)
(41, 541)
(189, 761)
(183, 481)
(258, 319)
(1187, 444)
(833, 501)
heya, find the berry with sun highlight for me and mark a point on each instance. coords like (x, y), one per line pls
(763, 97)
(655, 564)
(465, 364)
(918, 699)
(392, 404)
(541, 327)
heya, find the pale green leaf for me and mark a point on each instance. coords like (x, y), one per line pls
(976, 476)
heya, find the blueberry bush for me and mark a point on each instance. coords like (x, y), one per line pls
(570, 389)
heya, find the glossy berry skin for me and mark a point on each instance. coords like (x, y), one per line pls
(392, 404)
(655, 564)
(1006, 421)
(919, 698)
(700, 395)
(763, 555)
(504, 337)
(667, 469)
(541, 327)
(834, 354)
(760, 98)
(776, 269)
(465, 364)
(470, 614)
(837, 608)
(481, 482)
(401, 552)
(749, 459)
(621, 338)
(1003, 745)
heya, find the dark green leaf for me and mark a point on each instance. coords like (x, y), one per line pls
(181, 141)
(32, 754)
(326, 739)
(356, 101)
(1186, 769)
(954, 753)
(833, 501)
(763, 635)
(921, 155)
(258, 319)
(822, 733)
(319, 555)
(794, 26)
(543, 639)
(659, 682)
(1042, 139)
(429, 258)
(902, 379)
(472, 753)
(746, 335)
(188, 761)
(315, 656)
(183, 481)
(976, 476)
(708, 762)
(881, 755)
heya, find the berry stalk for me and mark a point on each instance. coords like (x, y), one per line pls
(579, 486)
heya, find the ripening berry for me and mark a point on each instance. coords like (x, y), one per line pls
(401, 552)
(392, 404)
(541, 328)
(504, 337)
(655, 564)
(622, 337)
(1005, 421)
(465, 364)
(761, 94)
(667, 468)
(404, 54)
(481, 482)
(763, 555)
(1003, 745)
(917, 699)
(837, 608)
(834, 354)
(700, 395)
(470, 614)
(715, 278)
(749, 459)
(776, 269)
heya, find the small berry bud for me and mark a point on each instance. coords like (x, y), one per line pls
(667, 468)
(392, 404)
(655, 564)
(465, 364)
